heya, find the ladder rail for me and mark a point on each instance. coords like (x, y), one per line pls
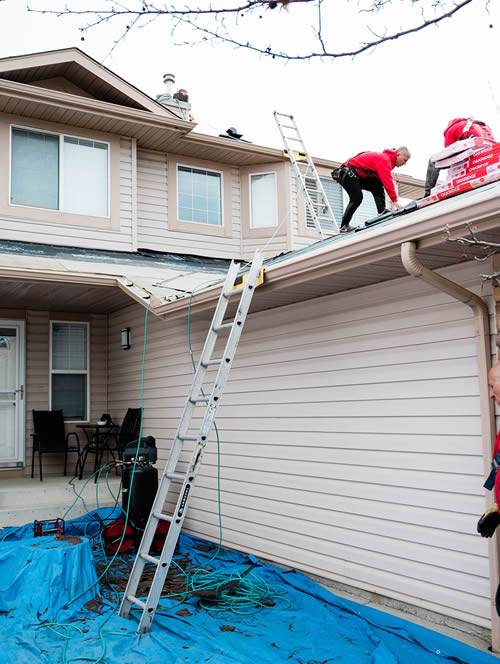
(169, 471)
(176, 521)
(301, 177)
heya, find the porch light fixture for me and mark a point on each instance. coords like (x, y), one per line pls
(125, 337)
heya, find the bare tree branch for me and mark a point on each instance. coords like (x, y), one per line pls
(137, 12)
(490, 248)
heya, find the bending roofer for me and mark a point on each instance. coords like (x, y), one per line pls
(457, 130)
(370, 171)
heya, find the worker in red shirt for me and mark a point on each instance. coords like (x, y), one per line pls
(491, 519)
(370, 171)
(457, 130)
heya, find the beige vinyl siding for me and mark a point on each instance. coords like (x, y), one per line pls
(152, 213)
(350, 439)
(38, 377)
(126, 193)
(269, 247)
(27, 224)
(24, 229)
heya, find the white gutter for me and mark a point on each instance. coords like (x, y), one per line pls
(482, 330)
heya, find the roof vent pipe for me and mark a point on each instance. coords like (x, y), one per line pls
(168, 80)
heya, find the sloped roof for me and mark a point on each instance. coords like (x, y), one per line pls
(83, 72)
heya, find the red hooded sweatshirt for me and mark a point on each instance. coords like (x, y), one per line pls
(497, 476)
(455, 130)
(377, 165)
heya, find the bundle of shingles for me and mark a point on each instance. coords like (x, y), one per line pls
(470, 163)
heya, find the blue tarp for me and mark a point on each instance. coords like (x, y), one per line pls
(309, 626)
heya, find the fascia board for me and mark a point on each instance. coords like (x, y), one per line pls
(47, 97)
(234, 146)
(80, 279)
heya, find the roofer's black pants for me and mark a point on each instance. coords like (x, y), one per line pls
(431, 177)
(354, 185)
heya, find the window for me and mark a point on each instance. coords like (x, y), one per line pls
(59, 172)
(338, 200)
(69, 382)
(333, 192)
(263, 200)
(199, 195)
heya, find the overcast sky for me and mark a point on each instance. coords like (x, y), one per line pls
(404, 92)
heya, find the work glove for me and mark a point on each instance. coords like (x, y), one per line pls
(488, 522)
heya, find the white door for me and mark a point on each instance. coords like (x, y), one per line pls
(11, 393)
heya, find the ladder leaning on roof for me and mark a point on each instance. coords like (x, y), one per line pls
(170, 474)
(316, 200)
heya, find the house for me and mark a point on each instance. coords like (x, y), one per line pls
(356, 428)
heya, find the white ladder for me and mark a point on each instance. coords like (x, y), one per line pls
(170, 474)
(316, 200)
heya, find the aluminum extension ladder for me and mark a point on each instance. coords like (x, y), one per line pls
(316, 200)
(170, 474)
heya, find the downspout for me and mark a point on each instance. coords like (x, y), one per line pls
(482, 330)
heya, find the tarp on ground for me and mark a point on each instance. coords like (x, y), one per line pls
(306, 625)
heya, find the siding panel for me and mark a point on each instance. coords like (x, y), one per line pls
(350, 438)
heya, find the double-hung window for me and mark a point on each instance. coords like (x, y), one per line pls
(69, 369)
(199, 195)
(338, 200)
(59, 172)
(333, 192)
(263, 200)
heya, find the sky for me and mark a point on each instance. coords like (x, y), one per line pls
(401, 93)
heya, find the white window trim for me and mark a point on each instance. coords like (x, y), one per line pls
(37, 130)
(250, 176)
(208, 170)
(71, 371)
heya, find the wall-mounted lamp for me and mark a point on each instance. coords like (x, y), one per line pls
(125, 337)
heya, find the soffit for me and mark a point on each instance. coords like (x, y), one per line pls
(82, 70)
(93, 286)
(152, 131)
(81, 77)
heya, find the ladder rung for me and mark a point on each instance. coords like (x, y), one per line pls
(136, 601)
(176, 476)
(188, 437)
(150, 559)
(224, 326)
(199, 400)
(162, 517)
(209, 363)
(230, 293)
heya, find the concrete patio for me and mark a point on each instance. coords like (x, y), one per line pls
(22, 500)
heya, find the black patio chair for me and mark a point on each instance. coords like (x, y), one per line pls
(106, 439)
(49, 436)
(129, 430)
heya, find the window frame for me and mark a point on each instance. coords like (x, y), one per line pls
(309, 223)
(70, 372)
(281, 231)
(303, 229)
(199, 228)
(275, 176)
(61, 136)
(221, 182)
